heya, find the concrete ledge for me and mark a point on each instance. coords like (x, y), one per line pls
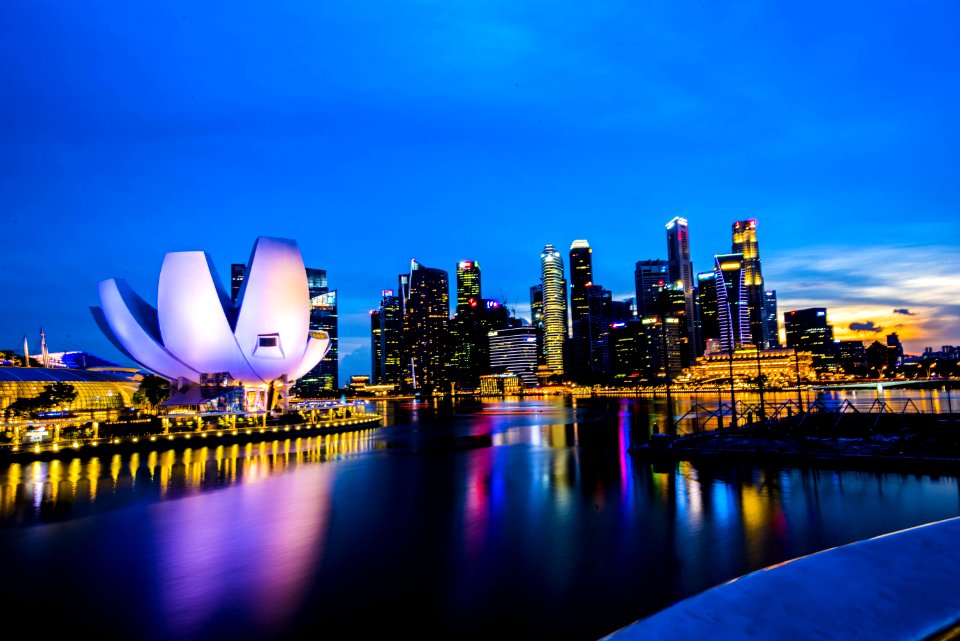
(900, 586)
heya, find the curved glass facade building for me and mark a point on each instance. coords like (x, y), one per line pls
(95, 390)
(554, 308)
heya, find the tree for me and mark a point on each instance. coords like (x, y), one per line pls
(57, 395)
(54, 396)
(880, 357)
(14, 359)
(153, 390)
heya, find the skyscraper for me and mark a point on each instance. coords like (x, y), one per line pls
(771, 329)
(581, 278)
(386, 325)
(554, 308)
(323, 317)
(469, 351)
(745, 242)
(807, 330)
(536, 319)
(468, 283)
(513, 350)
(581, 275)
(426, 314)
(237, 272)
(732, 310)
(650, 276)
(707, 304)
(681, 271)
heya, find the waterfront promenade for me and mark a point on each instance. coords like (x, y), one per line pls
(175, 439)
(897, 587)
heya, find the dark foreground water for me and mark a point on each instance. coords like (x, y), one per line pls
(495, 520)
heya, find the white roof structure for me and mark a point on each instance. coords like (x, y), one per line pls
(196, 329)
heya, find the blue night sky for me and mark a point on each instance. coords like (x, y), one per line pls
(377, 132)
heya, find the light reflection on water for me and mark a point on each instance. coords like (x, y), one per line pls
(35, 491)
(463, 521)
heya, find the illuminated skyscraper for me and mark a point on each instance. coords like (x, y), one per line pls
(536, 318)
(426, 314)
(807, 330)
(581, 277)
(650, 276)
(707, 305)
(386, 325)
(513, 350)
(323, 316)
(745, 242)
(771, 329)
(681, 271)
(554, 308)
(732, 310)
(469, 350)
(468, 283)
(237, 272)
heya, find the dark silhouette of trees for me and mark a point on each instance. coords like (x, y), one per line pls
(153, 390)
(54, 396)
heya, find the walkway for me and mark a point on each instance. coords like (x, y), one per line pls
(903, 586)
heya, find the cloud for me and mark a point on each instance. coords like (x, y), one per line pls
(858, 282)
(868, 326)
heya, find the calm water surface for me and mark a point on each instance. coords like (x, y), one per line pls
(503, 518)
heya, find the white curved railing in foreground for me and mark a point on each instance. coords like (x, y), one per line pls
(900, 586)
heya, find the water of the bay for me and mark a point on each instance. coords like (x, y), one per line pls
(477, 519)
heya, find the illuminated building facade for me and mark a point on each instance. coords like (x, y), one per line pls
(596, 356)
(426, 314)
(745, 243)
(500, 385)
(323, 317)
(807, 330)
(779, 366)
(554, 308)
(650, 277)
(646, 349)
(468, 283)
(237, 271)
(708, 315)
(469, 342)
(771, 326)
(681, 271)
(197, 337)
(581, 278)
(386, 328)
(733, 311)
(98, 393)
(513, 350)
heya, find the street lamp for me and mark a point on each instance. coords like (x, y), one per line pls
(760, 384)
(733, 398)
(796, 362)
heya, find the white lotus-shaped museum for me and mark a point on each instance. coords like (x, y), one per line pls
(196, 332)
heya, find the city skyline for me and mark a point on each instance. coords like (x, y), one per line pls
(482, 134)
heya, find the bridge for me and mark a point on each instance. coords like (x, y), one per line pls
(882, 384)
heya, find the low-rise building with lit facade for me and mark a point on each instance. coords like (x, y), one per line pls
(500, 385)
(781, 368)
